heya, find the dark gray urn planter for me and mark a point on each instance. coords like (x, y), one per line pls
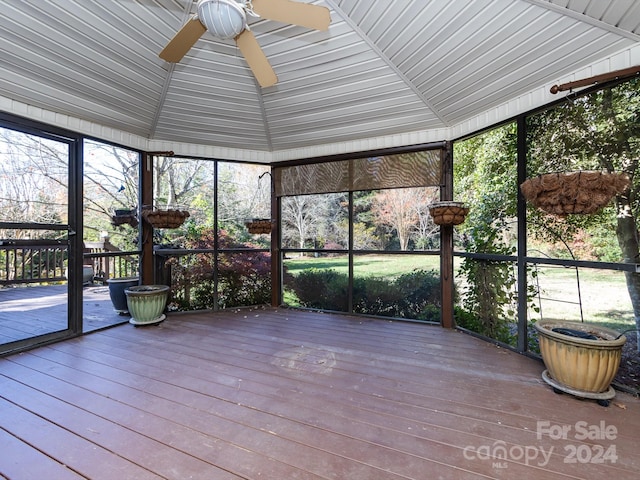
(117, 286)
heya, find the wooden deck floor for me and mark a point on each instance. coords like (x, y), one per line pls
(36, 310)
(278, 394)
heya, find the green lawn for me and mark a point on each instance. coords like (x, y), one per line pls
(386, 266)
(367, 265)
(603, 294)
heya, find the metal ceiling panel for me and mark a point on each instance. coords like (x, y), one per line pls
(384, 69)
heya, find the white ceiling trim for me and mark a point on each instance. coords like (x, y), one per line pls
(585, 19)
(161, 101)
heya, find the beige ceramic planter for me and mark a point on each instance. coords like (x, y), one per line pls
(582, 367)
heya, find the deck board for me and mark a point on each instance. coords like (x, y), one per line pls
(27, 312)
(20, 460)
(287, 394)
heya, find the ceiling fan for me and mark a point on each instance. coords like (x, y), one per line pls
(227, 19)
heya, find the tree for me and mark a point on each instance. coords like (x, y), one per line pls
(110, 182)
(34, 173)
(485, 177)
(400, 209)
(426, 231)
(111, 177)
(301, 217)
(597, 131)
(243, 193)
(175, 179)
(367, 233)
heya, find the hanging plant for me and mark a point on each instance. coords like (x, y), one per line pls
(124, 217)
(448, 213)
(259, 226)
(168, 218)
(564, 193)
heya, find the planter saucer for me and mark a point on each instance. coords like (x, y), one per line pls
(602, 397)
(152, 322)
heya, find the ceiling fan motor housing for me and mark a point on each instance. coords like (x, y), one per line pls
(223, 18)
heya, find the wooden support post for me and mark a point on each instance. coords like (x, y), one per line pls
(276, 259)
(146, 230)
(146, 201)
(446, 241)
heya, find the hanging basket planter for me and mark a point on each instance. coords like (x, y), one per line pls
(165, 218)
(448, 213)
(259, 226)
(124, 217)
(565, 193)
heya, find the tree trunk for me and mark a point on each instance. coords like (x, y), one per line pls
(627, 233)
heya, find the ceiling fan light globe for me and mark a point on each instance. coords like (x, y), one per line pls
(223, 18)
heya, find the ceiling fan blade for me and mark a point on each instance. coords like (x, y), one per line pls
(286, 11)
(182, 41)
(256, 59)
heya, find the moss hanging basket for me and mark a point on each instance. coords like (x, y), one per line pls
(448, 213)
(165, 218)
(259, 226)
(124, 217)
(565, 193)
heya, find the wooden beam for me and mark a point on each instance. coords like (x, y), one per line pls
(446, 241)
(605, 77)
(146, 230)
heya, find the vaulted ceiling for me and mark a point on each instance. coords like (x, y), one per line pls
(386, 73)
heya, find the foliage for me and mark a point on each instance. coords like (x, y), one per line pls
(491, 297)
(367, 233)
(243, 277)
(600, 130)
(466, 319)
(324, 289)
(413, 295)
(404, 210)
(485, 172)
(34, 173)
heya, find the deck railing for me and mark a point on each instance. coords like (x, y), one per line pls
(45, 261)
(32, 261)
(109, 261)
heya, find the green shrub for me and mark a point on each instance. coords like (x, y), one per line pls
(413, 295)
(322, 289)
(375, 296)
(244, 278)
(417, 290)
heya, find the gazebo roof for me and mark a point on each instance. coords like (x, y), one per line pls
(386, 73)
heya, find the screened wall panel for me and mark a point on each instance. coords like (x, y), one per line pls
(414, 169)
